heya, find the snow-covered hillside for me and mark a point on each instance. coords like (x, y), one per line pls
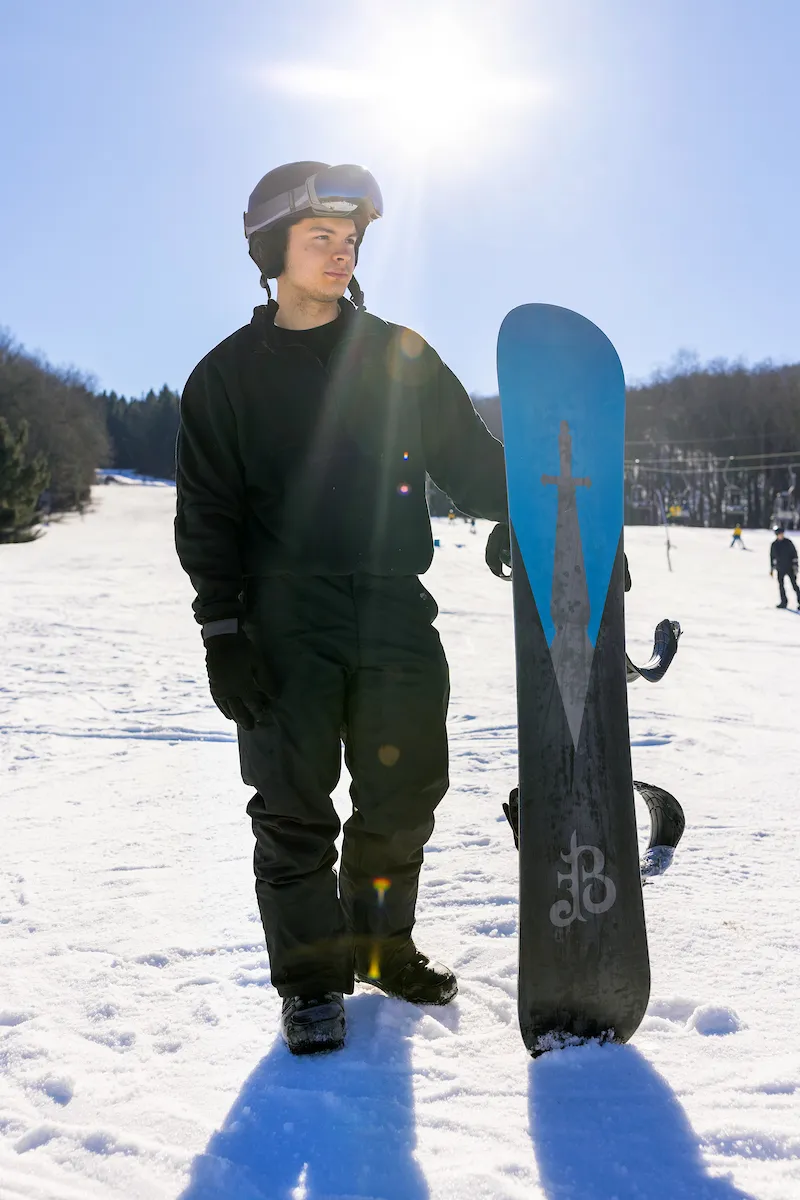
(139, 1057)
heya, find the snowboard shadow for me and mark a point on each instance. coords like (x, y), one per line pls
(606, 1126)
(324, 1127)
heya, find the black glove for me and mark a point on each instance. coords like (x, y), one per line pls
(627, 574)
(237, 677)
(498, 551)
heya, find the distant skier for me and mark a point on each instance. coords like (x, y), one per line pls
(737, 538)
(304, 443)
(783, 559)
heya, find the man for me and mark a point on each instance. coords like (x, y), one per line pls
(783, 559)
(304, 442)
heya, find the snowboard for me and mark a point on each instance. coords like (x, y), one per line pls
(583, 962)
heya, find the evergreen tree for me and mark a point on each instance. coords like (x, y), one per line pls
(21, 484)
(143, 432)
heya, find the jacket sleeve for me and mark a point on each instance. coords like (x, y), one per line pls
(461, 455)
(210, 496)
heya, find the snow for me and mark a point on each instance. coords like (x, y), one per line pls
(139, 1057)
(129, 477)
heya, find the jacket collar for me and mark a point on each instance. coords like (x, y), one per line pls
(264, 321)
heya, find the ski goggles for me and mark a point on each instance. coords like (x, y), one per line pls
(335, 192)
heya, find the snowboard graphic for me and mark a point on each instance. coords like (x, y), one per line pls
(583, 965)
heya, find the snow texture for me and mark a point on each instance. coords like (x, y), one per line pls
(139, 1057)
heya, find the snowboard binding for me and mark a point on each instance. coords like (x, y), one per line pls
(667, 820)
(667, 824)
(665, 647)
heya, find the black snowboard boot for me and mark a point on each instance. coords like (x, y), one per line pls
(312, 1024)
(415, 978)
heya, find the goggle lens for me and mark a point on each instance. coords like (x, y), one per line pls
(352, 184)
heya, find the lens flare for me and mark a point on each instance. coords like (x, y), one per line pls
(374, 971)
(411, 344)
(381, 887)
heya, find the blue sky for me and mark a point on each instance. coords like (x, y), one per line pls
(635, 161)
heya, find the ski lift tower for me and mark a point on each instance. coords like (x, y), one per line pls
(734, 503)
(640, 501)
(785, 508)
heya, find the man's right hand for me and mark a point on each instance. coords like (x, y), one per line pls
(236, 676)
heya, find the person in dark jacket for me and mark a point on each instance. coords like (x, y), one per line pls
(783, 559)
(304, 442)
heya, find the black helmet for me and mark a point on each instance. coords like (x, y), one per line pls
(289, 193)
(778, 529)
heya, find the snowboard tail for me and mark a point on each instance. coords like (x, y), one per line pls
(583, 963)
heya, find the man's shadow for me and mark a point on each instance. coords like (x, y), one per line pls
(323, 1126)
(606, 1125)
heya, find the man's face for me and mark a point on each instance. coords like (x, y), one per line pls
(320, 256)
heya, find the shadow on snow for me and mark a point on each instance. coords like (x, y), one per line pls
(339, 1126)
(606, 1126)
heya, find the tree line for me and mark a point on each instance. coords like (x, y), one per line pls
(715, 445)
(56, 429)
(706, 445)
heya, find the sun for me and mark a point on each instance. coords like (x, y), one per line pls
(425, 86)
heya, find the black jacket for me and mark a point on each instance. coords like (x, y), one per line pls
(783, 556)
(285, 465)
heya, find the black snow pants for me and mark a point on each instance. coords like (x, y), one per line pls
(355, 661)
(790, 575)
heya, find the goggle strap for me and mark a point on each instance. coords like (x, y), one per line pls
(271, 211)
(302, 199)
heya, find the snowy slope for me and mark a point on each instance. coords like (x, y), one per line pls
(138, 1051)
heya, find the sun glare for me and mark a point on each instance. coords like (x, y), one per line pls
(426, 87)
